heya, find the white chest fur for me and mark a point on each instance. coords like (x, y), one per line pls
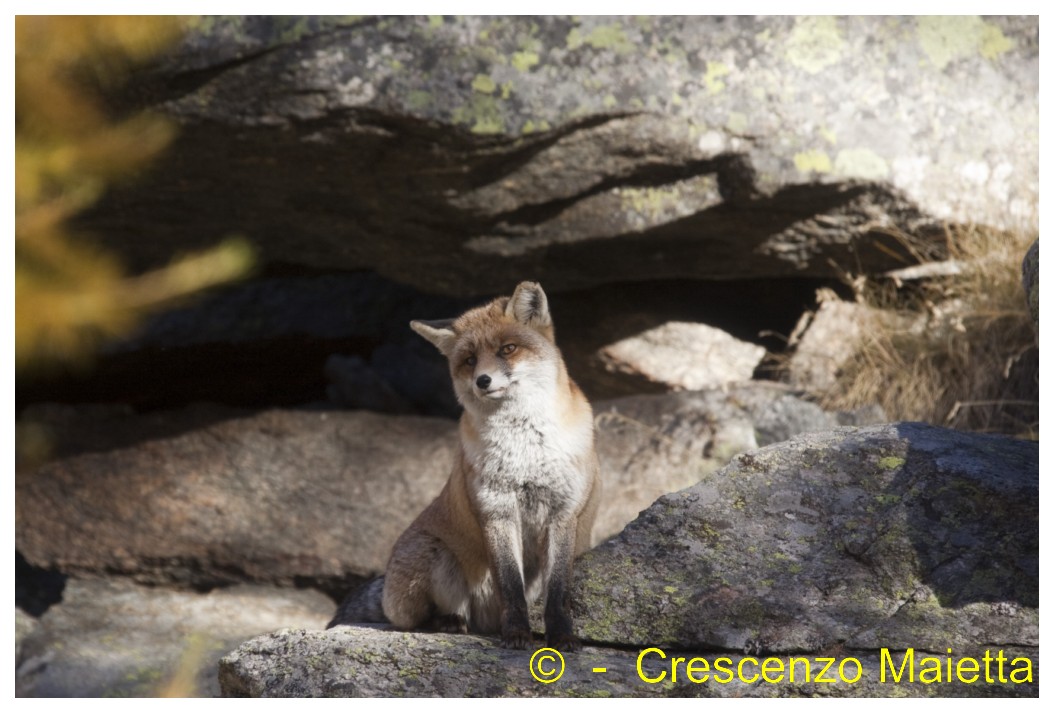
(528, 466)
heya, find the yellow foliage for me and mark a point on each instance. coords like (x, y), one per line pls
(182, 682)
(68, 295)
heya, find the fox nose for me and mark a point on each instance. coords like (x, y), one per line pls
(483, 381)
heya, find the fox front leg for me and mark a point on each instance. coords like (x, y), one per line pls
(505, 552)
(559, 628)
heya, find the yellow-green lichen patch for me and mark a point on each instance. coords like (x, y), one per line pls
(484, 84)
(651, 203)
(418, 99)
(671, 52)
(483, 54)
(644, 22)
(737, 122)
(142, 681)
(747, 613)
(712, 78)
(706, 532)
(204, 24)
(604, 37)
(812, 160)
(828, 135)
(861, 163)
(293, 32)
(946, 39)
(481, 115)
(435, 20)
(994, 42)
(523, 61)
(529, 127)
(890, 462)
(814, 44)
(593, 84)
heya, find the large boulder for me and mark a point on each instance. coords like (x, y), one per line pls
(653, 445)
(825, 339)
(113, 638)
(904, 548)
(208, 495)
(684, 355)
(900, 535)
(461, 154)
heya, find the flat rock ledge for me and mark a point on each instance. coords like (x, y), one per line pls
(368, 662)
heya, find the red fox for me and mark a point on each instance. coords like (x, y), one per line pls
(522, 496)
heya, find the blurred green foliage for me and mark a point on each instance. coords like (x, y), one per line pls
(70, 295)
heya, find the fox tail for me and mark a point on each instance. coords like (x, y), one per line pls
(362, 605)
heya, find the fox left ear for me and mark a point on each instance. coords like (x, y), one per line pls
(528, 305)
(440, 332)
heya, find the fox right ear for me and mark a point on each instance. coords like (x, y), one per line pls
(439, 331)
(528, 305)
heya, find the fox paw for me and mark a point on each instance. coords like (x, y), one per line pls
(450, 624)
(515, 638)
(564, 641)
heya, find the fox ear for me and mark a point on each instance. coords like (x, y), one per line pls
(528, 305)
(440, 332)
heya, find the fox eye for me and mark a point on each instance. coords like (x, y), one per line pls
(507, 349)
(471, 361)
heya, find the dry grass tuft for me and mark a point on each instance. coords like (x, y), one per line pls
(962, 350)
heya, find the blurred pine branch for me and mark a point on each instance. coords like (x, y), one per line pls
(70, 296)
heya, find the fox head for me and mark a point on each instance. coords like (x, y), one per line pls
(500, 352)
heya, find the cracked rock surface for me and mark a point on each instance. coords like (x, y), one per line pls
(461, 154)
(899, 535)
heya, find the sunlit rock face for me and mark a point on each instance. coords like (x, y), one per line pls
(461, 154)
